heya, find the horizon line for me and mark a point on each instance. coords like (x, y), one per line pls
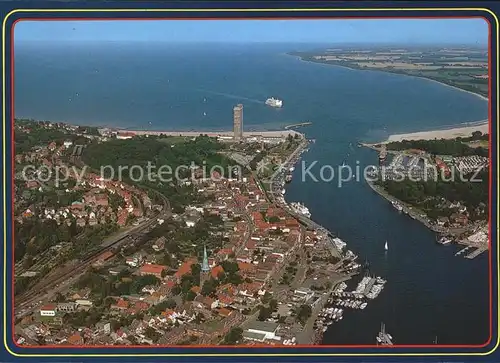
(303, 42)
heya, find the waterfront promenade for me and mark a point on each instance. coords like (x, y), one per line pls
(413, 213)
(422, 217)
(194, 133)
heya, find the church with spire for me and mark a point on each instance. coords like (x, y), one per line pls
(205, 267)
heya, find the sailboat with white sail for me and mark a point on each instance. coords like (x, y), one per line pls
(386, 247)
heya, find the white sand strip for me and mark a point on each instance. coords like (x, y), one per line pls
(465, 131)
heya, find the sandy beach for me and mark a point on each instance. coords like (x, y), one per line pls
(464, 131)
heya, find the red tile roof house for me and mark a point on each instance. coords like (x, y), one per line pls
(225, 253)
(138, 307)
(75, 339)
(224, 312)
(48, 310)
(52, 146)
(225, 300)
(32, 184)
(216, 271)
(120, 305)
(250, 289)
(105, 256)
(185, 268)
(122, 217)
(245, 268)
(101, 199)
(155, 270)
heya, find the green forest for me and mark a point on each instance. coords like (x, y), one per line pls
(41, 134)
(163, 160)
(427, 194)
(456, 147)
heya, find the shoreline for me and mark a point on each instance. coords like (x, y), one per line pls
(484, 98)
(227, 134)
(455, 233)
(459, 130)
(102, 129)
(406, 208)
(253, 129)
(451, 133)
(310, 333)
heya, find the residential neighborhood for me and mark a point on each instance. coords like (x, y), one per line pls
(232, 268)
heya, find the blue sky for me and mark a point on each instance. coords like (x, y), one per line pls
(403, 31)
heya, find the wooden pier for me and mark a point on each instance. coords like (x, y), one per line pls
(369, 286)
(476, 252)
(294, 126)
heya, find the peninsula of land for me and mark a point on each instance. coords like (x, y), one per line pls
(465, 68)
(441, 180)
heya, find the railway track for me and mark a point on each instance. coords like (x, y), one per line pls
(38, 291)
(53, 284)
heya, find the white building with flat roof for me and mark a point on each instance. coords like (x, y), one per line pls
(262, 330)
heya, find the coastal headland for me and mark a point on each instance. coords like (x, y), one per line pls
(439, 178)
(461, 68)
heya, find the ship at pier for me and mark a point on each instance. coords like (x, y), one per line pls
(397, 205)
(301, 209)
(383, 155)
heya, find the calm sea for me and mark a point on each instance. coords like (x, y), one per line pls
(430, 292)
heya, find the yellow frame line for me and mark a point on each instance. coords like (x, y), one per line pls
(4, 172)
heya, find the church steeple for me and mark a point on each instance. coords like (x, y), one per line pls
(205, 267)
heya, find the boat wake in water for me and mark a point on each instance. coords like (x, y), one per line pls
(229, 95)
